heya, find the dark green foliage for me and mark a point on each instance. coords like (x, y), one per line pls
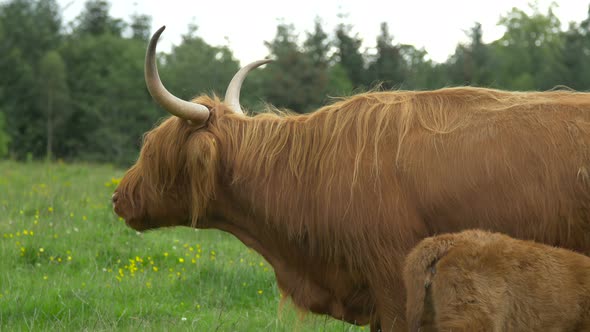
(28, 30)
(339, 84)
(4, 138)
(95, 19)
(79, 94)
(195, 67)
(470, 65)
(349, 55)
(398, 66)
(576, 53)
(140, 26)
(54, 97)
(530, 54)
(389, 66)
(298, 77)
(112, 107)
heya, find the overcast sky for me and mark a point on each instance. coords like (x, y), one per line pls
(436, 25)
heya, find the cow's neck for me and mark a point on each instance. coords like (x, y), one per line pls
(237, 211)
(242, 205)
(334, 290)
(228, 215)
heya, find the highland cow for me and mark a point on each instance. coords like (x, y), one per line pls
(335, 199)
(482, 281)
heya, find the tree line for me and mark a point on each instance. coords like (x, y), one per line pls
(76, 91)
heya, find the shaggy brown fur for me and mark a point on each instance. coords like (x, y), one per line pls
(482, 281)
(335, 199)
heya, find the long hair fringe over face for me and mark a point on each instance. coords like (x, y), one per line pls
(173, 179)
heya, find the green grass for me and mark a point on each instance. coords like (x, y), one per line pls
(68, 263)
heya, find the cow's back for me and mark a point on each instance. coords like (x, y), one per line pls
(518, 166)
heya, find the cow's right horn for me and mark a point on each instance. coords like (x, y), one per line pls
(196, 113)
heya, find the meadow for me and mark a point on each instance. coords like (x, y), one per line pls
(68, 263)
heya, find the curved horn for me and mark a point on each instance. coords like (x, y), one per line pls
(196, 113)
(232, 94)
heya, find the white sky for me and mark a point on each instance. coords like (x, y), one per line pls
(436, 25)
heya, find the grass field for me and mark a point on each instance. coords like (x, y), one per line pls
(69, 264)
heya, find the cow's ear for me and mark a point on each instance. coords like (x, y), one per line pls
(202, 164)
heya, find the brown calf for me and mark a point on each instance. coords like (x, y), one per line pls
(481, 281)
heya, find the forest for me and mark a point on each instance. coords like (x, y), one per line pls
(74, 91)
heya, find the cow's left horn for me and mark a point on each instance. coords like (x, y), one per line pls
(232, 94)
(196, 113)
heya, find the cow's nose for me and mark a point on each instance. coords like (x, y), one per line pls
(115, 198)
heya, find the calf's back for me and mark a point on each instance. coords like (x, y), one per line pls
(481, 281)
